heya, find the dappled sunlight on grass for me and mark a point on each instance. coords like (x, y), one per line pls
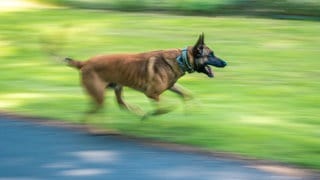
(6, 48)
(10, 104)
(22, 96)
(18, 5)
(260, 120)
(15, 100)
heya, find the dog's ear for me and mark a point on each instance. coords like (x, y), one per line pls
(200, 40)
(197, 48)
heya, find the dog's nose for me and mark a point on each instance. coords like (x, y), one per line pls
(224, 63)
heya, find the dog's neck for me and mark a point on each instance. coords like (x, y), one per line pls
(184, 62)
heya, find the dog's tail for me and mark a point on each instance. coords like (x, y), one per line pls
(73, 63)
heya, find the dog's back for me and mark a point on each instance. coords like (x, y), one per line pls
(133, 70)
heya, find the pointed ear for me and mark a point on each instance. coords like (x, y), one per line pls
(197, 48)
(200, 41)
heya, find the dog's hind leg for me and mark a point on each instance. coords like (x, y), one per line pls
(95, 88)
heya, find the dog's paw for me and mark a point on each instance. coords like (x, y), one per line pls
(145, 117)
(188, 97)
(136, 110)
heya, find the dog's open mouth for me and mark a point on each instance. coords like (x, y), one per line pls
(208, 71)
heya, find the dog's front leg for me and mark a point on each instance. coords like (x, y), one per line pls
(159, 109)
(176, 88)
(118, 92)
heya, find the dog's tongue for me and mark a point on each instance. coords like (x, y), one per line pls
(209, 71)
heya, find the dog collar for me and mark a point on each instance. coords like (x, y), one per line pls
(183, 61)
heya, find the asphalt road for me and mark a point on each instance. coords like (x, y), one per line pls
(32, 151)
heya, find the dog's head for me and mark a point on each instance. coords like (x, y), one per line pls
(203, 57)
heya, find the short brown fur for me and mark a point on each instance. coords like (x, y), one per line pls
(150, 72)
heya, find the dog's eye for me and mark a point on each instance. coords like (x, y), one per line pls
(199, 54)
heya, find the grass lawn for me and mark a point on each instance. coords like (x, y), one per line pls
(265, 104)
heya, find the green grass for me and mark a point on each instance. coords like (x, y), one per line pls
(265, 104)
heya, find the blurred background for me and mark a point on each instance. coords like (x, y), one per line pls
(264, 104)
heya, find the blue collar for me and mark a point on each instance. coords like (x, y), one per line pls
(183, 61)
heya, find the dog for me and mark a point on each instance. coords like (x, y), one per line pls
(152, 72)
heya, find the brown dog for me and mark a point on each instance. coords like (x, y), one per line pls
(151, 72)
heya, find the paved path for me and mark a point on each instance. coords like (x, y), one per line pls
(31, 151)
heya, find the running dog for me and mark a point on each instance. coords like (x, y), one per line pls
(150, 72)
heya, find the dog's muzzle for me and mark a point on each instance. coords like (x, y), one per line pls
(213, 61)
(217, 62)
